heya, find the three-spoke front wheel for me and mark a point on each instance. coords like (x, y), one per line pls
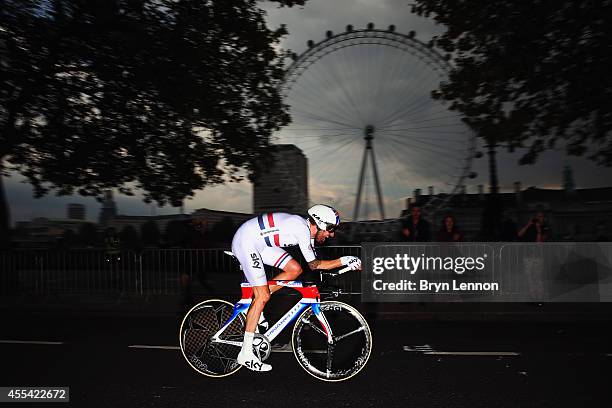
(214, 359)
(349, 350)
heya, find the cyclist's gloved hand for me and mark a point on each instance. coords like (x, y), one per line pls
(352, 261)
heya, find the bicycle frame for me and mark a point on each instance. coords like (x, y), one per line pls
(310, 298)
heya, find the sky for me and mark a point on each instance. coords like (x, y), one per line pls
(416, 144)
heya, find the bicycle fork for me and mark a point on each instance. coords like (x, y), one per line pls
(316, 310)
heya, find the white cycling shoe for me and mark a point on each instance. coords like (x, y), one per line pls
(251, 362)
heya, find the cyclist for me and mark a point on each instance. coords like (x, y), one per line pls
(260, 240)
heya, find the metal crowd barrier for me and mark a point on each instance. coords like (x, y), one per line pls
(152, 271)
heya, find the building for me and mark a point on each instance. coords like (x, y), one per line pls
(44, 232)
(119, 222)
(109, 208)
(283, 184)
(572, 214)
(207, 218)
(203, 217)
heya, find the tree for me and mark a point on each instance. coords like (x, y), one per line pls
(165, 96)
(149, 231)
(530, 74)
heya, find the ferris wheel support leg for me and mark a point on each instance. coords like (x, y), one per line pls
(361, 180)
(377, 183)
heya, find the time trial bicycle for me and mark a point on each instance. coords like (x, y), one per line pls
(331, 340)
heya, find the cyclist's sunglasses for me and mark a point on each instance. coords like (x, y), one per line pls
(331, 227)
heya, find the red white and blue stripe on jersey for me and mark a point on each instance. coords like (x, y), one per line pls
(281, 259)
(266, 221)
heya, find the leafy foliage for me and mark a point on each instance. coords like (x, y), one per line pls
(163, 95)
(530, 74)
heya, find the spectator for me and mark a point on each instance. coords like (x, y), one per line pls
(112, 245)
(448, 231)
(415, 228)
(536, 230)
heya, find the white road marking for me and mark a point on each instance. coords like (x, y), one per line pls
(427, 349)
(473, 353)
(424, 347)
(49, 343)
(143, 346)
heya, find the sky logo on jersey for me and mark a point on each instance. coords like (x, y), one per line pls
(261, 219)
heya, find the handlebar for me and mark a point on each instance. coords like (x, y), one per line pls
(330, 290)
(343, 270)
(336, 273)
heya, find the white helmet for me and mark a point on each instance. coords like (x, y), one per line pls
(324, 216)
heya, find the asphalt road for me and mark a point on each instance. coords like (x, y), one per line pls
(412, 365)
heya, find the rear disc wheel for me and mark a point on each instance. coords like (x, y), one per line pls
(207, 357)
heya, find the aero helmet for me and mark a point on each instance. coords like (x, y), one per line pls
(324, 217)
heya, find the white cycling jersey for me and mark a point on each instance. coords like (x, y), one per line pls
(260, 240)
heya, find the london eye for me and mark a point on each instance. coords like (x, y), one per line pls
(363, 113)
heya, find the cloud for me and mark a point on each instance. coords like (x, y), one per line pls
(317, 16)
